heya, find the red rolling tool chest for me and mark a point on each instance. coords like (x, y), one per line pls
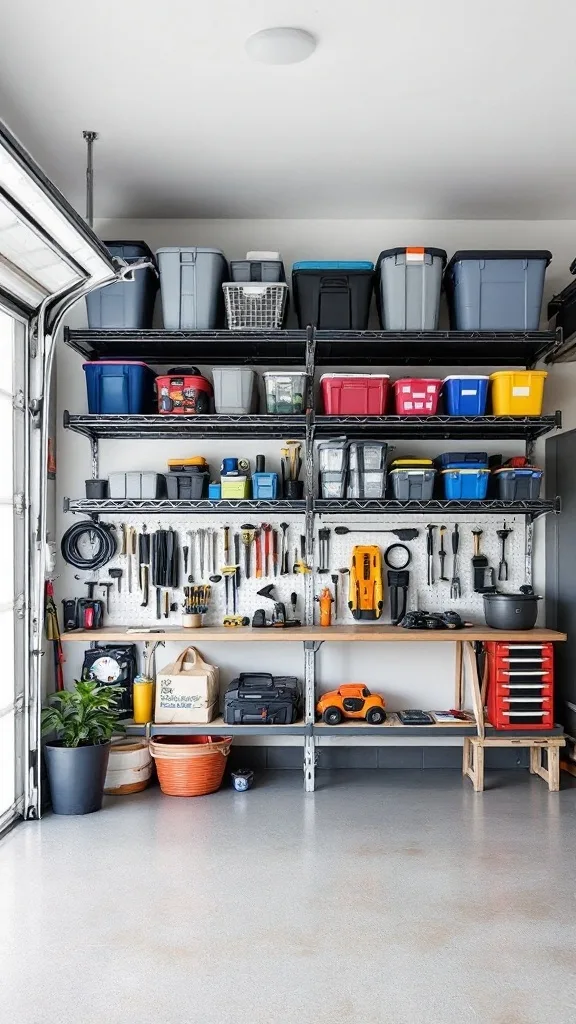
(520, 685)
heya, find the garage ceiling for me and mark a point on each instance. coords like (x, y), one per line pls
(418, 109)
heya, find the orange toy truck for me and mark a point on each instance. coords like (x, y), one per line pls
(351, 700)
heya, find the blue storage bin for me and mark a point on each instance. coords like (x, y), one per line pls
(479, 459)
(465, 394)
(126, 304)
(465, 484)
(214, 492)
(265, 486)
(494, 290)
(115, 387)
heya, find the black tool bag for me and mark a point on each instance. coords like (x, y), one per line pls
(114, 665)
(259, 698)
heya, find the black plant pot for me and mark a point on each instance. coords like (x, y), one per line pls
(76, 776)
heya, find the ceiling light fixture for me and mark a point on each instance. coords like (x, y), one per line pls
(280, 46)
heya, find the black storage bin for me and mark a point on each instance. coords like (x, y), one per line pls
(97, 489)
(259, 698)
(333, 296)
(126, 304)
(186, 486)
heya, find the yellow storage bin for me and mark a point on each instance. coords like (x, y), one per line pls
(518, 392)
(410, 463)
(235, 486)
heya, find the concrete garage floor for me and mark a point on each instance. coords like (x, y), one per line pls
(384, 897)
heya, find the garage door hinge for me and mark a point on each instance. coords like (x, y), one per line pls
(20, 606)
(19, 503)
(18, 401)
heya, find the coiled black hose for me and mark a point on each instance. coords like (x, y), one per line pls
(101, 533)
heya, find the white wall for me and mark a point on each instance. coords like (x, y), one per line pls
(422, 676)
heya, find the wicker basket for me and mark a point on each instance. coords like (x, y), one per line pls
(255, 306)
(190, 765)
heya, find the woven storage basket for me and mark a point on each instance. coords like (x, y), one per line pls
(190, 765)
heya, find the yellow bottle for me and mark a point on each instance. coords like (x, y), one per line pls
(143, 697)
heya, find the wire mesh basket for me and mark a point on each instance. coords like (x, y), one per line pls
(255, 306)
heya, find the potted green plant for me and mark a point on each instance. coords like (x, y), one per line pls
(83, 720)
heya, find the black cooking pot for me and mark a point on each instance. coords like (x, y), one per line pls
(512, 611)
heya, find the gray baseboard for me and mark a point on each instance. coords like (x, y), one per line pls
(416, 758)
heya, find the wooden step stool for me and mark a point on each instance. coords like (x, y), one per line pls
(473, 757)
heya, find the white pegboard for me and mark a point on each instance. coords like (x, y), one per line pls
(125, 607)
(421, 596)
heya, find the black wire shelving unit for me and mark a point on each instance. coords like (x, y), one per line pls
(434, 348)
(329, 506)
(438, 428)
(161, 506)
(201, 427)
(163, 348)
(205, 427)
(384, 506)
(343, 348)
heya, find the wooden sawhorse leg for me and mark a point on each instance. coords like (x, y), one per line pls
(473, 762)
(551, 772)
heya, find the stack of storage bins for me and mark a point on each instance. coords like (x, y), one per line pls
(496, 290)
(333, 463)
(352, 469)
(407, 284)
(367, 469)
(465, 475)
(256, 297)
(333, 295)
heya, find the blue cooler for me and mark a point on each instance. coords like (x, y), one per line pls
(496, 290)
(116, 387)
(465, 395)
(465, 484)
(468, 460)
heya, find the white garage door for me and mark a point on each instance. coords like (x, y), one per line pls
(12, 566)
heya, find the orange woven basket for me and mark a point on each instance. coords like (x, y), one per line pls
(190, 765)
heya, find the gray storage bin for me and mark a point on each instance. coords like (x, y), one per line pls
(408, 284)
(413, 484)
(235, 390)
(136, 486)
(258, 267)
(333, 485)
(191, 287)
(367, 484)
(187, 486)
(127, 305)
(519, 484)
(494, 290)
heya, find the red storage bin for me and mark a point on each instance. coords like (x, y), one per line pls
(417, 396)
(354, 394)
(184, 391)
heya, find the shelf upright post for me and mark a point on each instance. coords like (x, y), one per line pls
(529, 520)
(94, 452)
(309, 646)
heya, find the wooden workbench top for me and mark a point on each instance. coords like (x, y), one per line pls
(340, 634)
